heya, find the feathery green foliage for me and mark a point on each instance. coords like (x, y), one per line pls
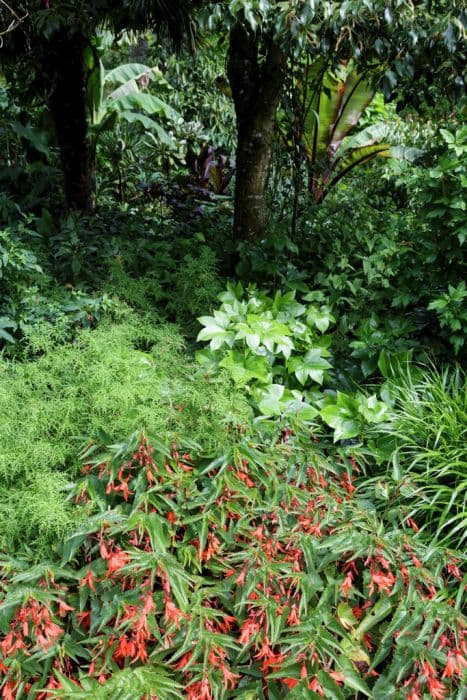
(109, 381)
(181, 284)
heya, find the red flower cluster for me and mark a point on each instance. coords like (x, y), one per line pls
(133, 643)
(32, 627)
(221, 575)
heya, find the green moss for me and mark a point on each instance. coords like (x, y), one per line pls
(122, 377)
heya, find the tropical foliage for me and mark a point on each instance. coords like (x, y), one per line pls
(232, 398)
(424, 434)
(171, 585)
(330, 105)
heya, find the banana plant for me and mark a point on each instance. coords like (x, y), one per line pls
(120, 95)
(330, 105)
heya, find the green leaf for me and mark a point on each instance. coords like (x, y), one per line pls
(298, 406)
(158, 531)
(321, 317)
(371, 409)
(346, 616)
(270, 403)
(275, 337)
(351, 159)
(286, 308)
(247, 333)
(310, 366)
(322, 100)
(343, 416)
(6, 322)
(379, 611)
(352, 678)
(216, 331)
(329, 685)
(32, 136)
(146, 103)
(244, 368)
(150, 125)
(94, 84)
(127, 71)
(357, 95)
(129, 88)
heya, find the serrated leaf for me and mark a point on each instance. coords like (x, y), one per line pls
(346, 616)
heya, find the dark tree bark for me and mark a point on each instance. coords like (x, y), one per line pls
(256, 88)
(67, 101)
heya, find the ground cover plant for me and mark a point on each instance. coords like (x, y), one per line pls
(109, 381)
(263, 573)
(277, 348)
(423, 438)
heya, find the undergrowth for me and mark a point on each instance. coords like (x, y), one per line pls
(108, 382)
(262, 574)
(426, 435)
(180, 281)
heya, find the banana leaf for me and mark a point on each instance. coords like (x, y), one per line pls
(127, 71)
(94, 83)
(376, 133)
(356, 96)
(321, 108)
(144, 102)
(150, 125)
(126, 76)
(128, 88)
(357, 156)
(127, 101)
(332, 105)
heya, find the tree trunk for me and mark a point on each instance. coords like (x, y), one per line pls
(67, 101)
(256, 91)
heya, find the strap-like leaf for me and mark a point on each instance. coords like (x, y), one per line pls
(150, 125)
(128, 88)
(322, 102)
(373, 134)
(94, 83)
(357, 95)
(357, 156)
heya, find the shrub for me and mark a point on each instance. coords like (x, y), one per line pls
(273, 346)
(31, 304)
(277, 349)
(451, 309)
(263, 573)
(18, 270)
(177, 286)
(387, 248)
